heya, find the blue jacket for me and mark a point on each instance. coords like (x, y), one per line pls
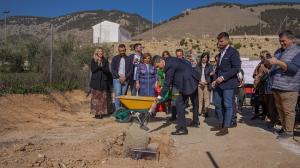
(115, 63)
(181, 75)
(229, 67)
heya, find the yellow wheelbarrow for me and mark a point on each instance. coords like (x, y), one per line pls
(140, 107)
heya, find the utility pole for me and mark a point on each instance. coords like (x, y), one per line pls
(152, 19)
(100, 34)
(260, 25)
(138, 30)
(51, 58)
(5, 15)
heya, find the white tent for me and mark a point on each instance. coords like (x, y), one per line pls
(107, 31)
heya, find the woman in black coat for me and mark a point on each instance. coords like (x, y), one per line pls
(99, 84)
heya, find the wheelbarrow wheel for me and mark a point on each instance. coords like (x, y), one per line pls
(123, 115)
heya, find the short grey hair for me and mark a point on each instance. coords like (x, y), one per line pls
(287, 33)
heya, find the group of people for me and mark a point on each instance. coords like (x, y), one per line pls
(277, 85)
(195, 80)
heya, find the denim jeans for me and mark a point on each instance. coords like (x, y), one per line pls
(120, 89)
(224, 102)
(133, 89)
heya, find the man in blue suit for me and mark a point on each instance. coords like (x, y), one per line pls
(181, 75)
(225, 83)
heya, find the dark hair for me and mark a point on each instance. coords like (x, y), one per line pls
(223, 35)
(145, 55)
(217, 57)
(179, 50)
(287, 33)
(202, 56)
(165, 52)
(136, 45)
(156, 59)
(121, 46)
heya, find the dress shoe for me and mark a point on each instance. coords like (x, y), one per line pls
(280, 131)
(98, 116)
(285, 135)
(194, 124)
(222, 132)
(180, 131)
(172, 119)
(216, 128)
(205, 115)
(254, 117)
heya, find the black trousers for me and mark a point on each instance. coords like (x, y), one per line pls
(181, 105)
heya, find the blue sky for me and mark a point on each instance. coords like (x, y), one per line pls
(163, 9)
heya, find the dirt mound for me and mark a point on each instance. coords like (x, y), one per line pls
(113, 146)
(166, 144)
(136, 138)
(33, 110)
(119, 145)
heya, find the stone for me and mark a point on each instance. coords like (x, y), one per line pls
(153, 147)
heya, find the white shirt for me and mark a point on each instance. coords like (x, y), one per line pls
(122, 66)
(203, 74)
(136, 62)
(223, 53)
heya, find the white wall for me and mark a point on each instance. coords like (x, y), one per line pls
(248, 68)
(105, 32)
(109, 32)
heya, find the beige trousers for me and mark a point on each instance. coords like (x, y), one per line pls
(286, 103)
(203, 94)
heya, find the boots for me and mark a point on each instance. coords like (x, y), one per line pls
(216, 128)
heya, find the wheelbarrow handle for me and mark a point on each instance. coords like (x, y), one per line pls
(153, 106)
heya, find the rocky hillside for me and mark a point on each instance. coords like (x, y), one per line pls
(79, 24)
(235, 18)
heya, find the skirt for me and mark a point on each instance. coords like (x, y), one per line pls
(99, 102)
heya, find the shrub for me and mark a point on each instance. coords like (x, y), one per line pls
(182, 42)
(195, 46)
(22, 83)
(237, 45)
(70, 65)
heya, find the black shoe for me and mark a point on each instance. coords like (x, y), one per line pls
(285, 135)
(98, 116)
(205, 115)
(262, 117)
(180, 131)
(194, 124)
(280, 131)
(254, 117)
(172, 119)
(222, 132)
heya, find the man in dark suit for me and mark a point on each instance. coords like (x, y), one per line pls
(225, 83)
(181, 75)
